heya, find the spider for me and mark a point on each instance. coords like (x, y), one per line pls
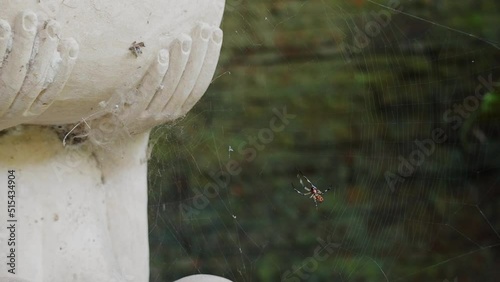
(312, 190)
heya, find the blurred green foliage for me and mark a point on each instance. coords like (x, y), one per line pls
(355, 113)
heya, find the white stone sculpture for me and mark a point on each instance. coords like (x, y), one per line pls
(81, 85)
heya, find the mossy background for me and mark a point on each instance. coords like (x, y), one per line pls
(356, 112)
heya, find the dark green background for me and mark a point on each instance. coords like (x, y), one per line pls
(357, 111)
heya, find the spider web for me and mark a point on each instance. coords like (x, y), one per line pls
(377, 99)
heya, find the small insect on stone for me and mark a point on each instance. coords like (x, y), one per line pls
(135, 48)
(312, 190)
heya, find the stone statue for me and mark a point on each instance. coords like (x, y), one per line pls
(81, 85)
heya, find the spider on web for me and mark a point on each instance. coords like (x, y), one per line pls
(312, 190)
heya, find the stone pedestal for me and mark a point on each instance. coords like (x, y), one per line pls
(81, 85)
